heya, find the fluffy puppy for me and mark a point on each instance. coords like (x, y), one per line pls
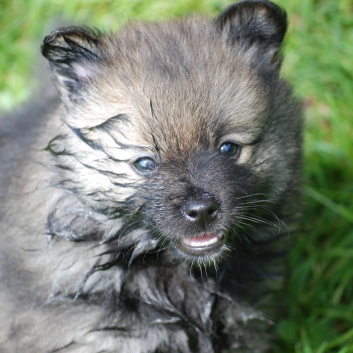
(145, 210)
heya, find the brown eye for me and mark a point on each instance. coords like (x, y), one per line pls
(145, 165)
(229, 149)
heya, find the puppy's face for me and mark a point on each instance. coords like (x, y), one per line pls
(194, 159)
(186, 124)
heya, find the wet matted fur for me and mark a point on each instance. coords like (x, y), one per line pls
(148, 208)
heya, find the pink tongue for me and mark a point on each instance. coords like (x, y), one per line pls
(201, 241)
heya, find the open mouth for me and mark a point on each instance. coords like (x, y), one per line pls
(201, 244)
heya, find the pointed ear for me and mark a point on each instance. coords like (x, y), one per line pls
(74, 55)
(258, 23)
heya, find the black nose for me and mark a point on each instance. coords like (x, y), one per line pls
(201, 212)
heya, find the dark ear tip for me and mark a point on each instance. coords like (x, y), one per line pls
(277, 14)
(264, 10)
(72, 39)
(47, 41)
(254, 6)
(87, 34)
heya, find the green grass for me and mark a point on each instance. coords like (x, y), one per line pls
(319, 61)
(320, 292)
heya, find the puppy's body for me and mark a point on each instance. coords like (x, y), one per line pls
(145, 212)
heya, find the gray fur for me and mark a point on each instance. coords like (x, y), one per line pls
(89, 261)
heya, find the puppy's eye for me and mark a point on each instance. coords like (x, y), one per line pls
(229, 149)
(145, 165)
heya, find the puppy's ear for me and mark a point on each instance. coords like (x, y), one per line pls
(257, 23)
(74, 56)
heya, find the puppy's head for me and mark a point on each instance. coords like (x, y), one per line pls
(186, 125)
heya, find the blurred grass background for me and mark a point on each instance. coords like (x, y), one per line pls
(319, 62)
